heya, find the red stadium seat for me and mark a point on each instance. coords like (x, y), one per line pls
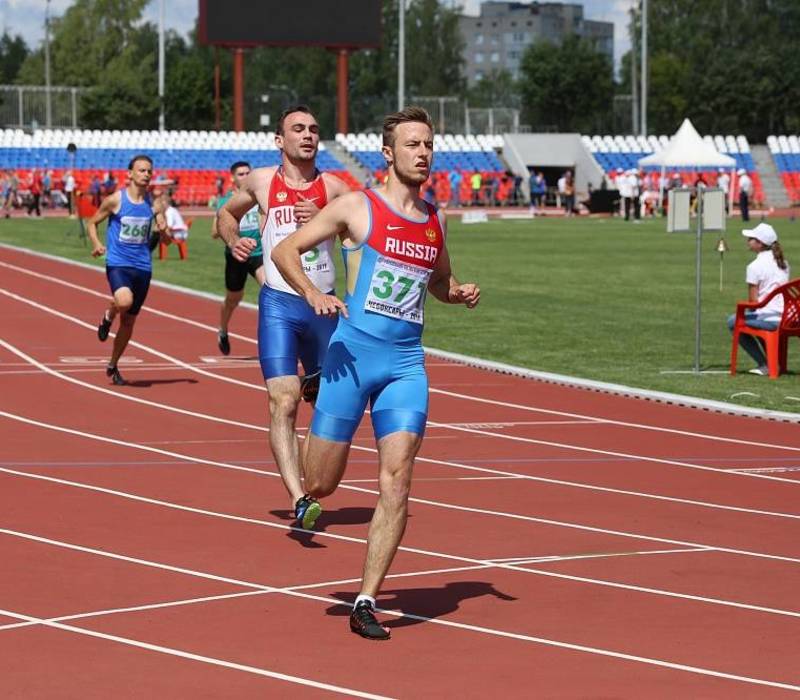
(776, 342)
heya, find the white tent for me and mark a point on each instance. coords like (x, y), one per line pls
(687, 149)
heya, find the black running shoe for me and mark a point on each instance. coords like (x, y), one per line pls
(364, 622)
(309, 386)
(103, 329)
(306, 512)
(223, 343)
(116, 377)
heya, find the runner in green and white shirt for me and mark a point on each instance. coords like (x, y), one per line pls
(236, 272)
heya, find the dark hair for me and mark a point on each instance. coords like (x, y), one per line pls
(409, 114)
(777, 253)
(305, 109)
(140, 156)
(240, 164)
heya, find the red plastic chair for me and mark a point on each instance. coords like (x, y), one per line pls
(776, 342)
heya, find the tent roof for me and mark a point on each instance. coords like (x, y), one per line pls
(687, 149)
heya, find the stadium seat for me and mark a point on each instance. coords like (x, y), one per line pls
(776, 342)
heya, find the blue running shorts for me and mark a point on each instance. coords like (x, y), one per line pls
(289, 329)
(361, 369)
(138, 281)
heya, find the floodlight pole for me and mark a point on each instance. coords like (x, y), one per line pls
(697, 279)
(643, 98)
(161, 60)
(401, 56)
(47, 96)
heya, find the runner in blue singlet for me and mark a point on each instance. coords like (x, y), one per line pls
(395, 253)
(128, 263)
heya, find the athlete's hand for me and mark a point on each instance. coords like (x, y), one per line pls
(467, 294)
(98, 250)
(305, 210)
(327, 304)
(242, 248)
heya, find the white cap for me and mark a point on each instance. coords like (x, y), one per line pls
(741, 171)
(763, 232)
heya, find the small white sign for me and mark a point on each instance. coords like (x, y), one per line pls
(478, 216)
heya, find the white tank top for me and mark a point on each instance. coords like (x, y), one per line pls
(280, 223)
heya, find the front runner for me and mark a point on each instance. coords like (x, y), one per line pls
(128, 262)
(289, 194)
(393, 244)
(236, 272)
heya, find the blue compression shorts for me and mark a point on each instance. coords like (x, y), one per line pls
(289, 329)
(359, 369)
(138, 281)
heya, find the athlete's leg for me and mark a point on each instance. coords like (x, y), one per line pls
(396, 453)
(124, 333)
(324, 462)
(284, 396)
(229, 305)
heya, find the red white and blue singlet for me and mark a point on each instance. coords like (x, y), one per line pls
(376, 354)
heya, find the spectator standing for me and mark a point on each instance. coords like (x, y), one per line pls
(476, 181)
(95, 191)
(35, 190)
(745, 192)
(625, 192)
(569, 193)
(561, 190)
(69, 192)
(538, 190)
(110, 184)
(636, 189)
(724, 183)
(455, 179)
(47, 188)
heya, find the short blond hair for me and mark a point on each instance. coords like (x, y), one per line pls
(409, 114)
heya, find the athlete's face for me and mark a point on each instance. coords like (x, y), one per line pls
(411, 157)
(239, 176)
(300, 138)
(141, 173)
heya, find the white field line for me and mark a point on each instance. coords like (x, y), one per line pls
(127, 641)
(229, 596)
(566, 414)
(423, 552)
(604, 555)
(438, 621)
(247, 385)
(472, 468)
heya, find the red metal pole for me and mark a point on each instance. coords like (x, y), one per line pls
(238, 89)
(341, 90)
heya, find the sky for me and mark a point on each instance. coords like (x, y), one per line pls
(26, 17)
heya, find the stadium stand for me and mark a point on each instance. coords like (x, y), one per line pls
(466, 155)
(622, 152)
(785, 152)
(189, 162)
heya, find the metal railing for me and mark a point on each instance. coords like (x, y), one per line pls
(26, 106)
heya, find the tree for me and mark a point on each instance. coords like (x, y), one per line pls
(566, 88)
(13, 52)
(497, 89)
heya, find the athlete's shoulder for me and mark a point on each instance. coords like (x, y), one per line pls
(112, 203)
(334, 185)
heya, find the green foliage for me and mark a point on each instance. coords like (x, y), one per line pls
(729, 65)
(496, 89)
(13, 52)
(567, 87)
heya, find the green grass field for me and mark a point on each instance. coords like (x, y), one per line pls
(592, 298)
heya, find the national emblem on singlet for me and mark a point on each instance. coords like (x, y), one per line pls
(280, 223)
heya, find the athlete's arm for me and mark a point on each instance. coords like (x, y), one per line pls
(159, 213)
(444, 285)
(107, 207)
(336, 218)
(307, 209)
(231, 213)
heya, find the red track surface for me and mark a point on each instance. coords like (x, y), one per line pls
(562, 543)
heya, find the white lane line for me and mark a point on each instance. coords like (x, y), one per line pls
(423, 552)
(566, 446)
(606, 555)
(437, 621)
(457, 465)
(230, 596)
(413, 499)
(418, 479)
(466, 397)
(194, 657)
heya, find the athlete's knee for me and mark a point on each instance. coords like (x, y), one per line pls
(395, 483)
(127, 319)
(123, 300)
(232, 299)
(283, 404)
